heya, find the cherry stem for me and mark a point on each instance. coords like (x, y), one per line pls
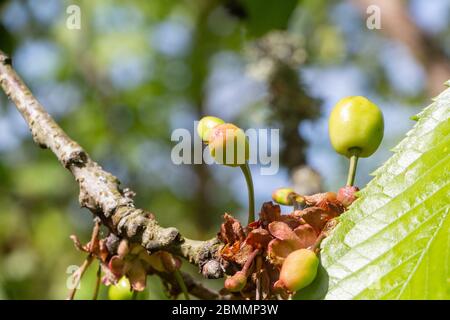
(352, 168)
(258, 278)
(181, 283)
(87, 262)
(297, 201)
(248, 263)
(78, 275)
(251, 193)
(316, 246)
(97, 282)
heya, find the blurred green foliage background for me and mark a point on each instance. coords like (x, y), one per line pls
(137, 70)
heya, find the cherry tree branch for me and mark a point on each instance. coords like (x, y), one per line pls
(99, 190)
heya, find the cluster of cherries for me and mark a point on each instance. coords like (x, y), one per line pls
(289, 244)
(279, 253)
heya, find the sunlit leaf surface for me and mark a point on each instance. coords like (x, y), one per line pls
(394, 242)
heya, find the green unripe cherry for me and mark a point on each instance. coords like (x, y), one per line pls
(121, 290)
(283, 196)
(299, 269)
(205, 126)
(236, 282)
(356, 127)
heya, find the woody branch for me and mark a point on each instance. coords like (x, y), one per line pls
(99, 189)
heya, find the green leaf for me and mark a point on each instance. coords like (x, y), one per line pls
(394, 242)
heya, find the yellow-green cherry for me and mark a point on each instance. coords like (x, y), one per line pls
(236, 282)
(228, 145)
(299, 269)
(121, 290)
(288, 197)
(356, 128)
(205, 125)
(283, 196)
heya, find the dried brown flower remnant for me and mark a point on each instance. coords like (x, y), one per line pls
(257, 252)
(288, 240)
(231, 230)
